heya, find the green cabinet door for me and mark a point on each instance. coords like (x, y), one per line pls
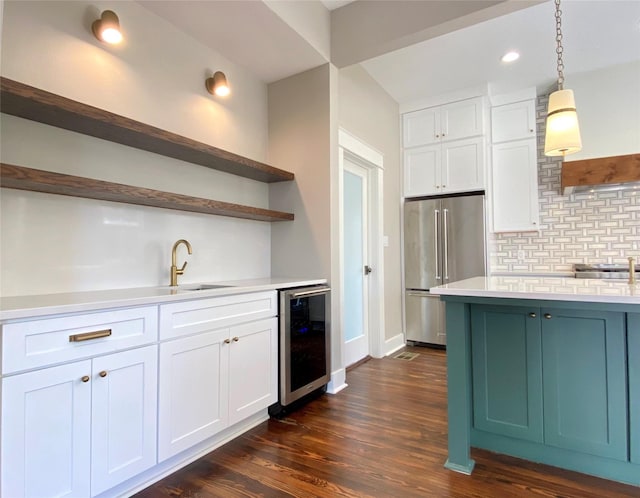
(584, 378)
(507, 371)
(633, 341)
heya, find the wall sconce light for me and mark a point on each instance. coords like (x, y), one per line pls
(107, 28)
(218, 85)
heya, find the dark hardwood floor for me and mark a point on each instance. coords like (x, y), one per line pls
(383, 436)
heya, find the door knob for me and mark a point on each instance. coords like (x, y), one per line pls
(103, 373)
(85, 378)
(532, 315)
(367, 269)
(547, 316)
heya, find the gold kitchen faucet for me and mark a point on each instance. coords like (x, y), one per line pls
(175, 271)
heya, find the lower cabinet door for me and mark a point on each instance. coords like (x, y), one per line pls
(193, 392)
(507, 371)
(253, 368)
(585, 394)
(46, 419)
(633, 348)
(124, 416)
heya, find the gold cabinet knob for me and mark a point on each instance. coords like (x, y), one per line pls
(103, 373)
(236, 339)
(532, 315)
(227, 341)
(85, 378)
(547, 316)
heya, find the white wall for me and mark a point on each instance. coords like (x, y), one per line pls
(369, 113)
(608, 105)
(59, 244)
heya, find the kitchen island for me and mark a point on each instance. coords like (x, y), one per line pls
(545, 369)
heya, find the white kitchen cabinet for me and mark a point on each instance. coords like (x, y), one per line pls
(79, 429)
(513, 121)
(218, 366)
(123, 416)
(193, 404)
(253, 368)
(514, 168)
(514, 190)
(46, 422)
(452, 121)
(450, 167)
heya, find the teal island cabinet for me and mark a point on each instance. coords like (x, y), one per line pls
(545, 369)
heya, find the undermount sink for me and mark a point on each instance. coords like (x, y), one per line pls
(198, 287)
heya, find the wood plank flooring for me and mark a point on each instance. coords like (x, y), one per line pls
(383, 436)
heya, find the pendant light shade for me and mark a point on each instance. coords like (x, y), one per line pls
(562, 135)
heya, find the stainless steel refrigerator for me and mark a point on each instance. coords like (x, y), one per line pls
(444, 241)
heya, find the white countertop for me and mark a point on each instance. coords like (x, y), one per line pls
(545, 288)
(18, 307)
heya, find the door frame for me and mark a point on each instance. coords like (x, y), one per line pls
(364, 155)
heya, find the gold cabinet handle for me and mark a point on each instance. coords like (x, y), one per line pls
(532, 315)
(547, 316)
(103, 373)
(236, 339)
(227, 341)
(87, 336)
(85, 378)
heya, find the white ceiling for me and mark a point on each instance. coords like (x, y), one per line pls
(597, 33)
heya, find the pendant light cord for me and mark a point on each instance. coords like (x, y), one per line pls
(559, 48)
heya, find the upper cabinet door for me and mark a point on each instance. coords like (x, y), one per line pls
(513, 121)
(461, 119)
(421, 127)
(514, 182)
(462, 165)
(422, 171)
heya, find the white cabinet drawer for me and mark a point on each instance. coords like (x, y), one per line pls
(202, 315)
(37, 343)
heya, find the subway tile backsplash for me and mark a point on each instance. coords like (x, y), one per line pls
(598, 227)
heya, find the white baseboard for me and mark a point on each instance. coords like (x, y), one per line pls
(338, 381)
(392, 345)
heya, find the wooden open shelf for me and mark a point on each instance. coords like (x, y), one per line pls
(32, 103)
(18, 177)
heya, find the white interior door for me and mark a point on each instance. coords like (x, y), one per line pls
(356, 260)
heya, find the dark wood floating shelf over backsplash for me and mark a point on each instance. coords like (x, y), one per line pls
(32, 103)
(18, 177)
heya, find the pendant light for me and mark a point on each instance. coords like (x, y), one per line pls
(562, 132)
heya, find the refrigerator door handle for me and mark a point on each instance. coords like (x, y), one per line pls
(436, 227)
(445, 250)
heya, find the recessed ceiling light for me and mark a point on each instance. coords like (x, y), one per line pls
(510, 56)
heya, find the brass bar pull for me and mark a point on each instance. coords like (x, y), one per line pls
(227, 341)
(236, 339)
(547, 316)
(87, 336)
(103, 373)
(532, 315)
(85, 378)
